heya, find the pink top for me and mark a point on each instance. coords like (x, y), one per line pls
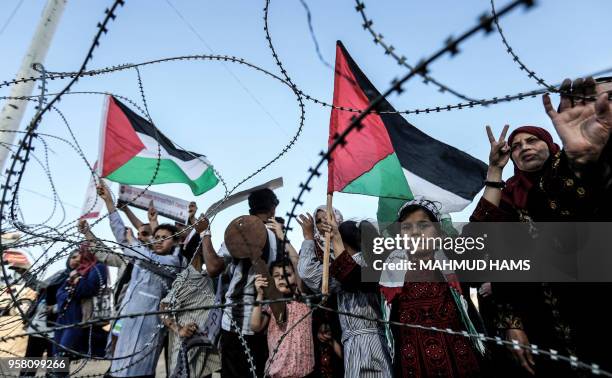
(295, 356)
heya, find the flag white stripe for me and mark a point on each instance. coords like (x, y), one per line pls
(420, 187)
(153, 150)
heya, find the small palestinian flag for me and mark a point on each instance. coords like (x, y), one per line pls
(389, 157)
(131, 149)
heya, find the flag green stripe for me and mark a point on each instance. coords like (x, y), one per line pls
(387, 211)
(140, 171)
(385, 179)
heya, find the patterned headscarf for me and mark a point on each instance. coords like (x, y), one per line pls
(431, 206)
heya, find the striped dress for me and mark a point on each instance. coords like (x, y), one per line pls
(141, 338)
(366, 353)
(191, 289)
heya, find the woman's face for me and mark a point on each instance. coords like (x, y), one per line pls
(529, 153)
(418, 226)
(74, 260)
(161, 246)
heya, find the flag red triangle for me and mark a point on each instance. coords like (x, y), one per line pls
(120, 141)
(364, 148)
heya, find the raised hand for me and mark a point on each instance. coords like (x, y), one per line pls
(306, 221)
(104, 192)
(500, 151)
(335, 237)
(129, 235)
(273, 225)
(152, 213)
(106, 196)
(333, 226)
(202, 224)
(583, 126)
(261, 282)
(83, 226)
(193, 208)
(187, 330)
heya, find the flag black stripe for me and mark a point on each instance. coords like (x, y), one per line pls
(426, 157)
(143, 126)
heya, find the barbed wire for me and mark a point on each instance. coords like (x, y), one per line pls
(340, 140)
(402, 60)
(218, 58)
(26, 144)
(283, 336)
(514, 344)
(515, 58)
(149, 117)
(41, 234)
(140, 84)
(426, 110)
(300, 298)
(25, 147)
(109, 14)
(536, 350)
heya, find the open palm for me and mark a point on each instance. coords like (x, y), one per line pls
(584, 129)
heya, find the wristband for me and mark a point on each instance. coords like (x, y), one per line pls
(205, 233)
(496, 184)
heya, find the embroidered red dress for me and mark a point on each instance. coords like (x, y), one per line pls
(421, 353)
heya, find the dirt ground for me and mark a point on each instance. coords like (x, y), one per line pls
(12, 325)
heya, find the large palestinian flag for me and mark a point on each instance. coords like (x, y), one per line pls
(389, 157)
(131, 149)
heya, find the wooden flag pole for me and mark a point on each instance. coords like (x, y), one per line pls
(325, 282)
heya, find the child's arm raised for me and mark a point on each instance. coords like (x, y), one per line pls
(259, 320)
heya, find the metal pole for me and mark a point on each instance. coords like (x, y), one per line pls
(13, 110)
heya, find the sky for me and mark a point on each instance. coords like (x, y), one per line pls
(240, 118)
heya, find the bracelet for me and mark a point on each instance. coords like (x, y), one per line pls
(205, 233)
(496, 184)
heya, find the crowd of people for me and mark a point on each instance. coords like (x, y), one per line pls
(357, 330)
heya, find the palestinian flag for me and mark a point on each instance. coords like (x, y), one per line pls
(131, 149)
(389, 157)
